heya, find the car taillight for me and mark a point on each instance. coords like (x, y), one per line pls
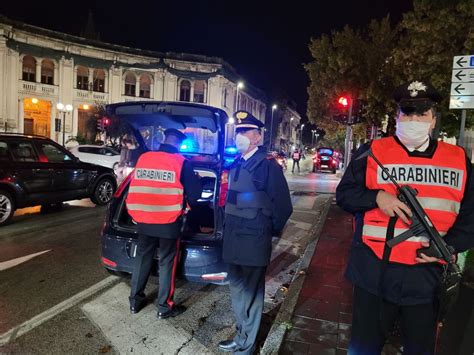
(109, 262)
(224, 188)
(123, 185)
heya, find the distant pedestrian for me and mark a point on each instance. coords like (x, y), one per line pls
(296, 160)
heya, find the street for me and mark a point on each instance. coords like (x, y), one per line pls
(56, 297)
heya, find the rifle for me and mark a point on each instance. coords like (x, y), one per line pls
(422, 226)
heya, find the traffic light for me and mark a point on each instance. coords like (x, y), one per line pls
(105, 122)
(341, 110)
(344, 101)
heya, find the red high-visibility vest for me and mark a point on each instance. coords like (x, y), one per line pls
(440, 182)
(156, 194)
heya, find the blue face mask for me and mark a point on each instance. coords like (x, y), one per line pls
(242, 143)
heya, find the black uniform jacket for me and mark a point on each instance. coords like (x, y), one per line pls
(249, 241)
(192, 192)
(402, 284)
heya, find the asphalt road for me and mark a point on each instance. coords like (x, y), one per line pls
(55, 297)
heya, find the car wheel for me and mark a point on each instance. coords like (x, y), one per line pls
(7, 207)
(103, 192)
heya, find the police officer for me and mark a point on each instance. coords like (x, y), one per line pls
(162, 182)
(258, 205)
(396, 282)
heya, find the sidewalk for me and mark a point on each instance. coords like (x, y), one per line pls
(322, 316)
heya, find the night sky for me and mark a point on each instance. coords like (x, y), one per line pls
(266, 41)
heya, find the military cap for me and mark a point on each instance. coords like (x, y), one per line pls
(174, 132)
(416, 97)
(246, 120)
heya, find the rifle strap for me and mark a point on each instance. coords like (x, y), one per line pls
(383, 265)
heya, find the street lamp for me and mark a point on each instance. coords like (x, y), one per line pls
(240, 85)
(289, 131)
(274, 107)
(313, 131)
(63, 109)
(301, 136)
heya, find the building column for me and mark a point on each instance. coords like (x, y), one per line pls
(90, 79)
(38, 70)
(191, 91)
(21, 115)
(52, 131)
(56, 75)
(137, 86)
(75, 121)
(74, 78)
(106, 81)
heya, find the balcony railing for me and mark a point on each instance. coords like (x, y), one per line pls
(38, 89)
(91, 96)
(135, 98)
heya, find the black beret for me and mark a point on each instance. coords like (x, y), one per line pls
(174, 132)
(244, 119)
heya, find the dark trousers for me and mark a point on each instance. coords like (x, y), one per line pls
(247, 290)
(295, 162)
(372, 320)
(168, 261)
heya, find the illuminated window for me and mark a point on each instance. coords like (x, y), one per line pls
(199, 90)
(47, 72)
(145, 85)
(82, 78)
(29, 68)
(99, 80)
(130, 84)
(185, 91)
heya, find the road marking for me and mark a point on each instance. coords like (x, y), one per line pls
(4, 265)
(25, 327)
(140, 333)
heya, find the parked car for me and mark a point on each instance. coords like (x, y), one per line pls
(35, 170)
(97, 154)
(326, 158)
(204, 126)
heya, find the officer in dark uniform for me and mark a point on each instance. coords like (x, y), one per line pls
(393, 283)
(257, 207)
(157, 233)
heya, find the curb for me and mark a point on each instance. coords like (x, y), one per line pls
(282, 321)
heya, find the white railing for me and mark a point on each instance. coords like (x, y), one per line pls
(38, 89)
(91, 96)
(134, 98)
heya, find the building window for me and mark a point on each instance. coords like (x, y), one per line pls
(145, 85)
(185, 91)
(47, 72)
(29, 68)
(99, 80)
(199, 91)
(130, 84)
(82, 78)
(224, 98)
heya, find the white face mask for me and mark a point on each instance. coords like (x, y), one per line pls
(413, 133)
(242, 143)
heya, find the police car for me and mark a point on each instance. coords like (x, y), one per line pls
(204, 126)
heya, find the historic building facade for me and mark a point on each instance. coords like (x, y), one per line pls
(40, 68)
(288, 135)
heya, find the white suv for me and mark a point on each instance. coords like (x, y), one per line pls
(97, 154)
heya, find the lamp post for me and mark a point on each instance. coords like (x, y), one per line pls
(230, 122)
(301, 136)
(289, 132)
(240, 85)
(274, 107)
(312, 137)
(63, 109)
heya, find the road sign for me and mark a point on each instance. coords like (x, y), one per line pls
(463, 61)
(463, 75)
(461, 102)
(462, 89)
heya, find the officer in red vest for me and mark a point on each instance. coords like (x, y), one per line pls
(396, 282)
(162, 183)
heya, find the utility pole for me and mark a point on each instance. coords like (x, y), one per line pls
(348, 142)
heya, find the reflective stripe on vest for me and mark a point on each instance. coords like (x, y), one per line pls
(155, 195)
(440, 182)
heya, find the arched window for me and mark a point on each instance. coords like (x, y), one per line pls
(185, 91)
(29, 68)
(199, 90)
(99, 80)
(82, 78)
(47, 72)
(145, 85)
(130, 84)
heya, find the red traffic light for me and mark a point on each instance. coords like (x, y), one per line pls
(343, 101)
(106, 121)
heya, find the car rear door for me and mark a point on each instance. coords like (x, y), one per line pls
(33, 175)
(69, 178)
